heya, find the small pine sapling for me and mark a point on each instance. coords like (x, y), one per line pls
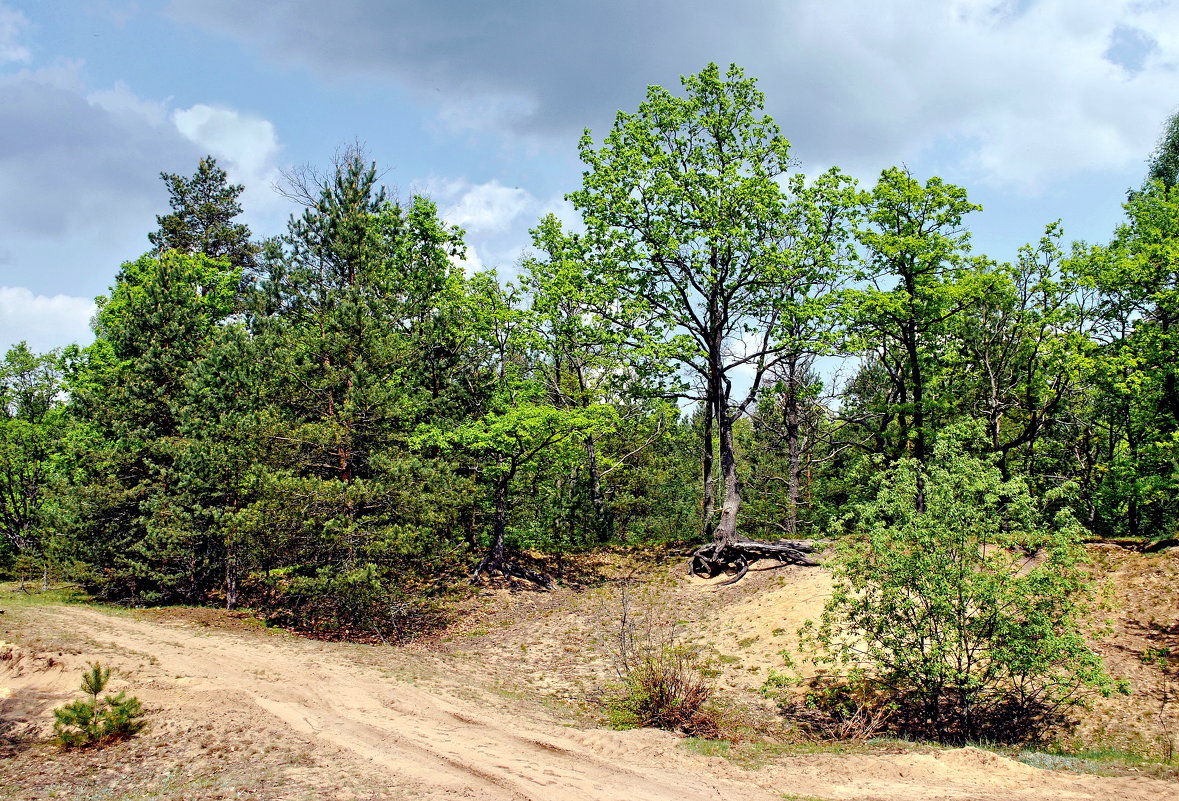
(85, 722)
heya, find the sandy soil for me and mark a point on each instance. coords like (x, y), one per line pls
(238, 711)
(1137, 634)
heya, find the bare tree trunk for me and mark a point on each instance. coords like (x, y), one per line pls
(231, 574)
(601, 519)
(790, 413)
(495, 556)
(794, 458)
(728, 552)
(726, 529)
(706, 469)
(496, 561)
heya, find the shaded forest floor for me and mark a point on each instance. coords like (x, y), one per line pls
(507, 702)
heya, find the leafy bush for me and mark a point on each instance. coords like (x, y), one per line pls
(962, 618)
(85, 722)
(661, 685)
(361, 603)
(665, 691)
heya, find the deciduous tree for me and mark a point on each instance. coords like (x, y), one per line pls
(31, 421)
(712, 248)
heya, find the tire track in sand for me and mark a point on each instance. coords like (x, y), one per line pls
(445, 746)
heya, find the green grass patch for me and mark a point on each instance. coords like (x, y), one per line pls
(706, 747)
(1102, 762)
(13, 595)
(752, 752)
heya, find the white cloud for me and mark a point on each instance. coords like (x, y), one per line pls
(479, 208)
(12, 24)
(120, 101)
(247, 148)
(247, 145)
(79, 174)
(1026, 93)
(494, 217)
(44, 322)
(72, 161)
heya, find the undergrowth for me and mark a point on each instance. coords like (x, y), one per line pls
(661, 685)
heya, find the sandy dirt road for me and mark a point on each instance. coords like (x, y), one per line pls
(404, 739)
(398, 727)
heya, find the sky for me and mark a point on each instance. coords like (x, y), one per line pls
(1041, 109)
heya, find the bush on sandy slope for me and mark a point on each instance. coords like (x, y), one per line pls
(958, 621)
(661, 685)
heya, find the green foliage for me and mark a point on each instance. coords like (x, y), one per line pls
(786, 447)
(365, 603)
(1134, 370)
(162, 317)
(168, 301)
(1164, 162)
(714, 256)
(333, 425)
(662, 685)
(88, 722)
(915, 245)
(202, 218)
(326, 516)
(32, 425)
(966, 615)
(1016, 360)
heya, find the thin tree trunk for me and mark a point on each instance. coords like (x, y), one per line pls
(706, 468)
(726, 529)
(495, 556)
(231, 573)
(472, 521)
(495, 560)
(601, 519)
(794, 451)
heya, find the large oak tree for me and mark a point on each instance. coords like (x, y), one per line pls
(715, 250)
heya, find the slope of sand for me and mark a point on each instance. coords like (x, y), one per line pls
(255, 713)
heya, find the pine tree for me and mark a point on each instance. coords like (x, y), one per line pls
(203, 218)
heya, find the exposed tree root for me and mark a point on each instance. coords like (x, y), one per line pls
(1161, 545)
(502, 566)
(712, 559)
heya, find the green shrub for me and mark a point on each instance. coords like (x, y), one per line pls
(845, 707)
(85, 722)
(662, 687)
(961, 619)
(361, 603)
(664, 691)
